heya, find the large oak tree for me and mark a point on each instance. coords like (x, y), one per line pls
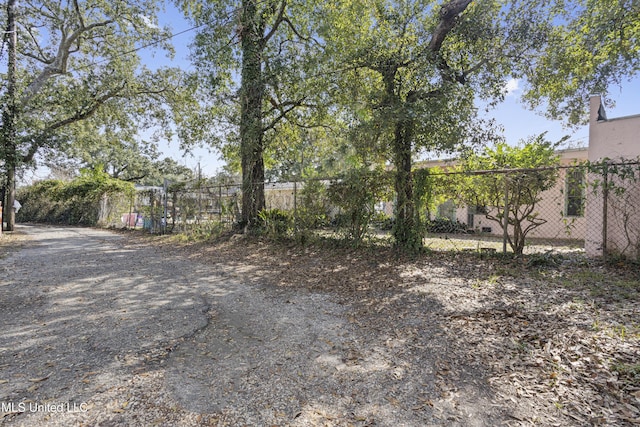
(76, 61)
(594, 47)
(254, 58)
(420, 65)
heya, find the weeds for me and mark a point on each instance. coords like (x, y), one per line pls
(204, 231)
(629, 371)
(547, 259)
(275, 223)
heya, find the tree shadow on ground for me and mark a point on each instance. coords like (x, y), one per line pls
(514, 335)
(79, 310)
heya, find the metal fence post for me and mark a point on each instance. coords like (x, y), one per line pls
(220, 202)
(152, 201)
(295, 206)
(605, 208)
(198, 220)
(505, 231)
(163, 222)
(128, 224)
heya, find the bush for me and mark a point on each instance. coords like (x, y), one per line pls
(356, 195)
(445, 225)
(275, 223)
(76, 202)
(312, 211)
(41, 203)
(208, 230)
(383, 221)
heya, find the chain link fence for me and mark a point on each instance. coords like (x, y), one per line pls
(183, 208)
(591, 209)
(613, 203)
(520, 210)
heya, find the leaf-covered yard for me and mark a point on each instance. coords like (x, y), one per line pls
(249, 332)
(552, 340)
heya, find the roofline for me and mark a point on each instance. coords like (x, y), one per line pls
(453, 159)
(568, 150)
(633, 116)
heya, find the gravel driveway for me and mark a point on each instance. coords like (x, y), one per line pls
(97, 330)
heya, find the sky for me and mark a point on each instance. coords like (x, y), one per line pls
(518, 122)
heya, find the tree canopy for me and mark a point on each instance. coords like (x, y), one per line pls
(593, 46)
(414, 69)
(254, 57)
(76, 62)
(288, 88)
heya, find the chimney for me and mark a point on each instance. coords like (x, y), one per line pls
(597, 112)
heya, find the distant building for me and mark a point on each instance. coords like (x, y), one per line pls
(614, 226)
(575, 208)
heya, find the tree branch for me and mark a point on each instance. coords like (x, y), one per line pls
(300, 36)
(42, 58)
(77, 7)
(38, 58)
(283, 114)
(533, 223)
(421, 95)
(279, 106)
(475, 68)
(82, 114)
(313, 126)
(279, 19)
(59, 64)
(448, 15)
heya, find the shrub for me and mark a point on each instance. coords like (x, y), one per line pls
(41, 202)
(74, 202)
(356, 195)
(207, 230)
(312, 210)
(275, 223)
(445, 225)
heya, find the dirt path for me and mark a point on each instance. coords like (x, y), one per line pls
(97, 330)
(79, 311)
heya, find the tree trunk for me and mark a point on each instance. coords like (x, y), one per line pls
(404, 230)
(9, 211)
(9, 119)
(251, 133)
(518, 235)
(405, 233)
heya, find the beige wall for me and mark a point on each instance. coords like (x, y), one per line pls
(616, 139)
(280, 196)
(552, 207)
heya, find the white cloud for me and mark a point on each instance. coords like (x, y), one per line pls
(148, 22)
(511, 86)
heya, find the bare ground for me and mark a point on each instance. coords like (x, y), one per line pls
(131, 330)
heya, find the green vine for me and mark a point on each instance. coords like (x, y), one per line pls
(73, 202)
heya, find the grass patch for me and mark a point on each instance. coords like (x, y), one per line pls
(629, 372)
(205, 231)
(605, 284)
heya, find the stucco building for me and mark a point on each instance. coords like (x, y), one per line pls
(613, 216)
(575, 207)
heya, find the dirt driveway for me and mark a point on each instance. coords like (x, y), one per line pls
(105, 329)
(98, 331)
